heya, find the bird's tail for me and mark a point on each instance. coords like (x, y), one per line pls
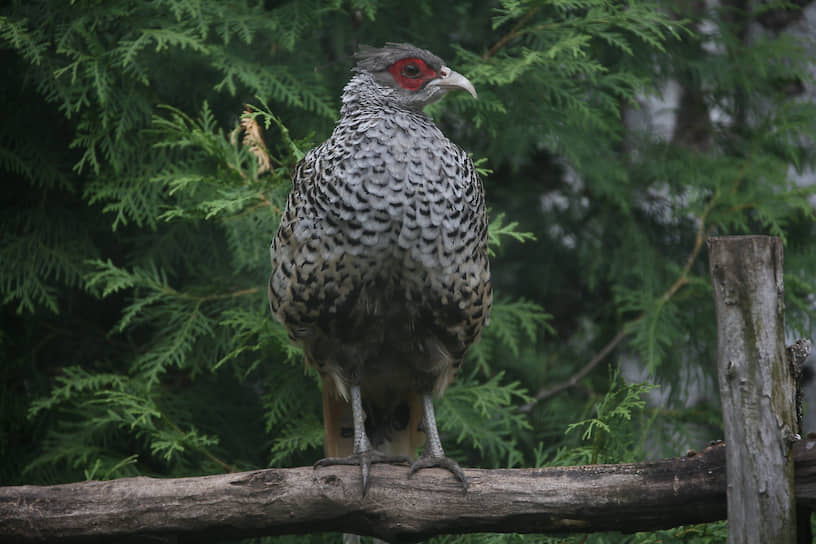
(392, 425)
(393, 418)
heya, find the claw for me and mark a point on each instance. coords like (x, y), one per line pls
(440, 462)
(365, 460)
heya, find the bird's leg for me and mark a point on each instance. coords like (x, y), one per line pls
(363, 454)
(433, 455)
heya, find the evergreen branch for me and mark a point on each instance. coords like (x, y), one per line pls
(482, 415)
(546, 393)
(227, 467)
(496, 229)
(611, 413)
(17, 35)
(703, 231)
(514, 32)
(300, 435)
(649, 30)
(208, 298)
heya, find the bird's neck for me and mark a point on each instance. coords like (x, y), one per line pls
(363, 94)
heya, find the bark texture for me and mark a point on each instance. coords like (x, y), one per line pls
(629, 497)
(757, 387)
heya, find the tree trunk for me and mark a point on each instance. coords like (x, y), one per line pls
(757, 388)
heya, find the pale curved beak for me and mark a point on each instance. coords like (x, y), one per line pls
(450, 80)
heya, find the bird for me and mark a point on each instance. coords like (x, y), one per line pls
(380, 266)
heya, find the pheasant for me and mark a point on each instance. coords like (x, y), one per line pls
(379, 266)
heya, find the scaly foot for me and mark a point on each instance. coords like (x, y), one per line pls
(434, 455)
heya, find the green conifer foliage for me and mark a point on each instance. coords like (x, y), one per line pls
(146, 150)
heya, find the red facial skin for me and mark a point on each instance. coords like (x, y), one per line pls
(412, 74)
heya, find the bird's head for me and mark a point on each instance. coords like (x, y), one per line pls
(409, 76)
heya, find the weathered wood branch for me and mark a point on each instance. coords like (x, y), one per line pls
(757, 387)
(628, 497)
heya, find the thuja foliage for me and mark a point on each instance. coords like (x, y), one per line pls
(146, 152)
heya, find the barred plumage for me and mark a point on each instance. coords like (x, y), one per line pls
(379, 267)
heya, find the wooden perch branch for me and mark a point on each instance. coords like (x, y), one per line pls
(628, 497)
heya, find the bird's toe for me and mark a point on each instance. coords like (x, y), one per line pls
(365, 460)
(440, 462)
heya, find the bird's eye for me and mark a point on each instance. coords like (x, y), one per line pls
(410, 70)
(411, 73)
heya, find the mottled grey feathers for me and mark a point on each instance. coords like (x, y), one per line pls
(379, 267)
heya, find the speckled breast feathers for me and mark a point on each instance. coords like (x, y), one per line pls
(379, 266)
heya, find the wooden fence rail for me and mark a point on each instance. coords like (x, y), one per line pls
(627, 497)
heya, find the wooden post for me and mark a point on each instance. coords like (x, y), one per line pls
(757, 389)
